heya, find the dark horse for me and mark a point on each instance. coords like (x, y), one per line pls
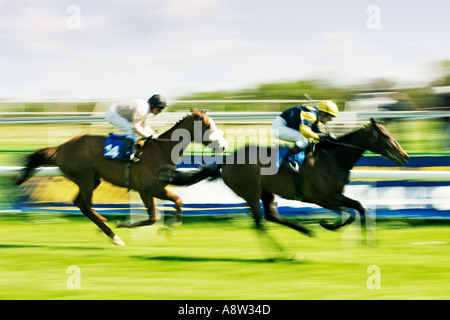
(325, 172)
(81, 160)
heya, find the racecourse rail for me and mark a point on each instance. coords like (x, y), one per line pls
(265, 117)
(249, 117)
(415, 175)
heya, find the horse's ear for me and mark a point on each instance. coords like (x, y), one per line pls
(204, 111)
(372, 120)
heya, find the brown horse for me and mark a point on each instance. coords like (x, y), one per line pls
(325, 172)
(81, 160)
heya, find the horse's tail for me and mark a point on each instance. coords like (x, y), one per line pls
(41, 157)
(170, 175)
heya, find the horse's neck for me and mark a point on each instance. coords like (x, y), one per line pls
(169, 152)
(347, 156)
(172, 145)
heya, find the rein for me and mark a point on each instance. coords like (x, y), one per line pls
(161, 139)
(343, 144)
(347, 145)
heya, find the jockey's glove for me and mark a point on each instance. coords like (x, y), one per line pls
(327, 137)
(332, 137)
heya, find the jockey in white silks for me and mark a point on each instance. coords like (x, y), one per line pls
(132, 117)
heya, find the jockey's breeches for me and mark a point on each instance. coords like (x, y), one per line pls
(114, 118)
(281, 131)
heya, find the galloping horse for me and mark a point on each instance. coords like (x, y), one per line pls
(81, 160)
(325, 172)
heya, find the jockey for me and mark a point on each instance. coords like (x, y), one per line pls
(131, 116)
(301, 125)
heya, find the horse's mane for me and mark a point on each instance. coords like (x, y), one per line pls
(349, 135)
(345, 138)
(197, 114)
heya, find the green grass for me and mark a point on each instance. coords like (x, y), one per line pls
(217, 260)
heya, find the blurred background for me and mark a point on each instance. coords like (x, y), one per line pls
(63, 63)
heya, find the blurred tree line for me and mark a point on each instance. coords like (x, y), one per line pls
(47, 106)
(423, 97)
(318, 89)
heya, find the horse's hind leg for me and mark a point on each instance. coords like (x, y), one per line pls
(245, 181)
(160, 192)
(267, 199)
(84, 202)
(78, 198)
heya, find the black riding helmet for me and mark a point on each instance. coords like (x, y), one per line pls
(157, 101)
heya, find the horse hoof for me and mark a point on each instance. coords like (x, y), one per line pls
(120, 224)
(161, 230)
(164, 230)
(311, 234)
(117, 241)
(297, 258)
(326, 225)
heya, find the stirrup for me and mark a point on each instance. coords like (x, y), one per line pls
(288, 165)
(133, 158)
(135, 149)
(292, 167)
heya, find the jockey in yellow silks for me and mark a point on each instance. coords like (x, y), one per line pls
(300, 125)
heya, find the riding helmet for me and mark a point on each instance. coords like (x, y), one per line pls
(157, 101)
(329, 107)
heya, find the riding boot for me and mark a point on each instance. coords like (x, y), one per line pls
(136, 149)
(288, 162)
(127, 145)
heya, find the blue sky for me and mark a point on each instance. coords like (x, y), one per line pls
(125, 48)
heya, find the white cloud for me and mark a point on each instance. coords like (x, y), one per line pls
(131, 48)
(196, 10)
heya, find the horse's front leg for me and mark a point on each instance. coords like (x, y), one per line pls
(340, 223)
(340, 201)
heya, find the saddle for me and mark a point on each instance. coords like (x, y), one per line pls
(119, 147)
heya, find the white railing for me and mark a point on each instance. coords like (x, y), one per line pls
(354, 174)
(100, 116)
(251, 117)
(400, 175)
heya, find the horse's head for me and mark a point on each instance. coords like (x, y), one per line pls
(381, 141)
(211, 136)
(200, 128)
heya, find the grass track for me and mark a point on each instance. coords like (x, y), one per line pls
(218, 260)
